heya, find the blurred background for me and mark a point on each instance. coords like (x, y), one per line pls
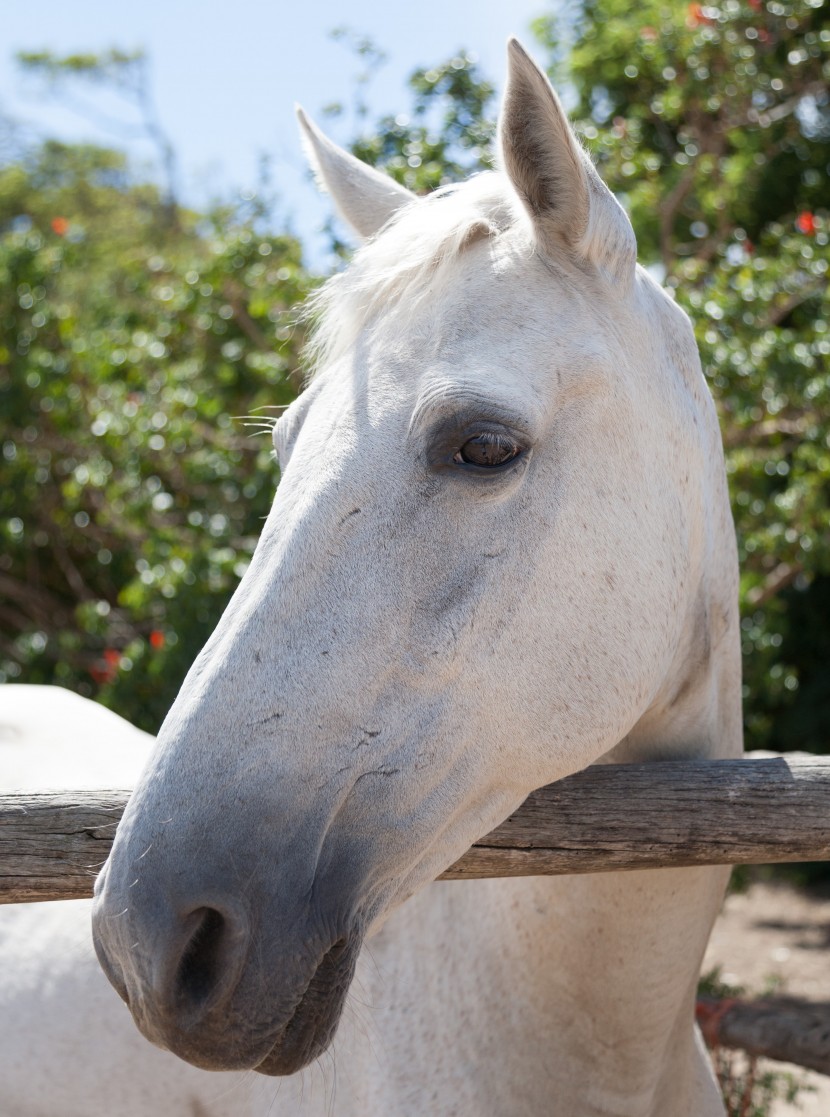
(158, 230)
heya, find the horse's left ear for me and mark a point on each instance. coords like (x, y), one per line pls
(570, 206)
(366, 198)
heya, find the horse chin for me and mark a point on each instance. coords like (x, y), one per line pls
(312, 1026)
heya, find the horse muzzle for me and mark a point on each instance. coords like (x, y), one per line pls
(199, 984)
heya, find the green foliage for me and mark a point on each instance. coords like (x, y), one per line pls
(370, 57)
(123, 73)
(131, 500)
(112, 66)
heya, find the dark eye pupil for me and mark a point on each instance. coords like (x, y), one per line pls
(488, 449)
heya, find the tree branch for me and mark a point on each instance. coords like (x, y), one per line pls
(782, 576)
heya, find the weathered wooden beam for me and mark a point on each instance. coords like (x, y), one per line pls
(53, 843)
(615, 817)
(783, 1028)
(608, 818)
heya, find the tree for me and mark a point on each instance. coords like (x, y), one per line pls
(125, 73)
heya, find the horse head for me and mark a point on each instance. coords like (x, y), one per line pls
(501, 499)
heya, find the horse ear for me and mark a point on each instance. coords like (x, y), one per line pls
(364, 197)
(568, 203)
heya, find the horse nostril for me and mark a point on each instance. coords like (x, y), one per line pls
(205, 968)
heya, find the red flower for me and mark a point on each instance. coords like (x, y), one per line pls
(157, 639)
(756, 4)
(60, 226)
(696, 14)
(107, 671)
(806, 223)
(749, 247)
(648, 33)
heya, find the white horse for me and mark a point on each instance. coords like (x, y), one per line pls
(501, 550)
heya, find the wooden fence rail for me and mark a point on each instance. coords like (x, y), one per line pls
(607, 818)
(783, 1028)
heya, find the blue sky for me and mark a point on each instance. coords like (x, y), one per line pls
(225, 76)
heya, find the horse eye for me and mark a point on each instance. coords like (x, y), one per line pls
(488, 449)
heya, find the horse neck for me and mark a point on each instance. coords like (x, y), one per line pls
(630, 945)
(589, 981)
(620, 953)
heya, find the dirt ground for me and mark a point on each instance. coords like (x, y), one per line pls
(777, 938)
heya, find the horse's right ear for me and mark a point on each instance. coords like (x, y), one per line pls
(364, 197)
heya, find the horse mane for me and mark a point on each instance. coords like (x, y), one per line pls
(411, 256)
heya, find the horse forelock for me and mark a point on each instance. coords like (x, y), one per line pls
(411, 257)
